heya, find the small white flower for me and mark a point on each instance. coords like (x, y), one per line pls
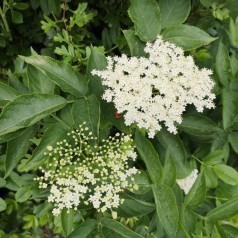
(56, 211)
(186, 183)
(49, 148)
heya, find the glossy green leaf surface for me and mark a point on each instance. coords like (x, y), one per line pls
(17, 148)
(174, 11)
(230, 109)
(26, 110)
(66, 221)
(233, 138)
(3, 205)
(87, 110)
(84, 229)
(197, 194)
(226, 173)
(167, 209)
(134, 207)
(7, 93)
(150, 157)
(23, 194)
(135, 44)
(38, 81)
(196, 124)
(56, 132)
(223, 65)
(174, 145)
(224, 211)
(60, 73)
(119, 229)
(145, 15)
(96, 61)
(187, 37)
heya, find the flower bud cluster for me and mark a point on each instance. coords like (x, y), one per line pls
(80, 171)
(156, 90)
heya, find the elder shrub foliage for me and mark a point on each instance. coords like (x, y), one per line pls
(119, 118)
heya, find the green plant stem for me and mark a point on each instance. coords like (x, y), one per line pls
(61, 121)
(194, 157)
(114, 47)
(212, 197)
(184, 230)
(3, 16)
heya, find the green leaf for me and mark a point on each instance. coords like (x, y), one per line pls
(210, 177)
(7, 93)
(142, 181)
(42, 209)
(214, 157)
(120, 230)
(197, 193)
(234, 68)
(174, 145)
(226, 173)
(223, 65)
(216, 233)
(174, 11)
(56, 132)
(87, 110)
(187, 37)
(60, 73)
(169, 171)
(133, 207)
(167, 209)
(229, 109)
(233, 138)
(150, 157)
(2, 41)
(13, 181)
(96, 61)
(52, 6)
(224, 211)
(67, 217)
(23, 194)
(11, 135)
(136, 46)
(21, 6)
(16, 83)
(84, 229)
(17, 148)
(17, 17)
(38, 81)
(230, 230)
(66, 115)
(206, 3)
(196, 124)
(26, 110)
(2, 182)
(145, 15)
(233, 27)
(226, 192)
(3, 205)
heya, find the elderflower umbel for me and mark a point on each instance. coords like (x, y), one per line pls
(79, 171)
(186, 183)
(155, 90)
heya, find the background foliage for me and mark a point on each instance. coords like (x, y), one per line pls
(43, 97)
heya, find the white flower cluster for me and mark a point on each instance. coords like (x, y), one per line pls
(186, 183)
(154, 90)
(79, 171)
